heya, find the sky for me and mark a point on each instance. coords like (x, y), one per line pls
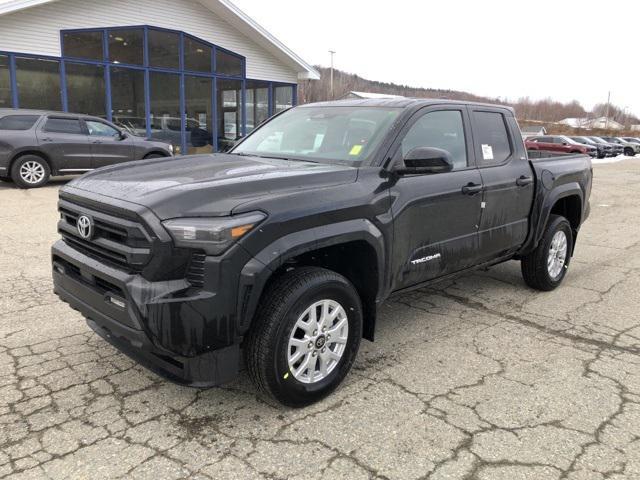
(563, 49)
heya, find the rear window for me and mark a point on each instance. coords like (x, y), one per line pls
(63, 125)
(492, 137)
(18, 122)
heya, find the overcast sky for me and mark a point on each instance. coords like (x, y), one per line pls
(562, 49)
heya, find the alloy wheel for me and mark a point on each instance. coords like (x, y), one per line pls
(557, 255)
(32, 172)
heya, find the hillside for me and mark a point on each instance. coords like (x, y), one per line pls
(545, 110)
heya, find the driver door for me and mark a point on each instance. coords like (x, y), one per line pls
(107, 144)
(436, 216)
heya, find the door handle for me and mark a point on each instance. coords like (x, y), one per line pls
(524, 180)
(97, 141)
(471, 188)
(47, 139)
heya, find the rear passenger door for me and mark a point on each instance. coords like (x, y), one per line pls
(508, 182)
(435, 215)
(65, 142)
(108, 146)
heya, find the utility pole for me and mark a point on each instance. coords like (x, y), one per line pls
(332, 52)
(606, 124)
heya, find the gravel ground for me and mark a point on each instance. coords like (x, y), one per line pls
(475, 378)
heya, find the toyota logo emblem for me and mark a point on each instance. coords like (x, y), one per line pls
(85, 227)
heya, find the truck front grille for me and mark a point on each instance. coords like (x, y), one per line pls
(121, 242)
(195, 272)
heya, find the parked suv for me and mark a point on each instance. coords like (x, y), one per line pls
(615, 148)
(602, 149)
(37, 144)
(283, 249)
(560, 143)
(629, 148)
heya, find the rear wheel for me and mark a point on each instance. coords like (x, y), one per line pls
(30, 171)
(545, 267)
(305, 336)
(629, 152)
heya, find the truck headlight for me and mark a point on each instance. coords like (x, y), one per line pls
(171, 149)
(214, 235)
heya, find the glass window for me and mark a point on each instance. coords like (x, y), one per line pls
(228, 64)
(197, 55)
(282, 98)
(63, 125)
(165, 118)
(491, 137)
(257, 99)
(198, 99)
(164, 49)
(5, 83)
(229, 112)
(18, 122)
(85, 89)
(83, 45)
(125, 46)
(38, 83)
(128, 100)
(442, 129)
(345, 135)
(99, 129)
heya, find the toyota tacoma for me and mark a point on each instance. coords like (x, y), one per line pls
(276, 256)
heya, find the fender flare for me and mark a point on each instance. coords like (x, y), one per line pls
(558, 193)
(258, 270)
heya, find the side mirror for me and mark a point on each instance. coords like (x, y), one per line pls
(426, 160)
(123, 135)
(565, 143)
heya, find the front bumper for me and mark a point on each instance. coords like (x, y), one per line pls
(184, 334)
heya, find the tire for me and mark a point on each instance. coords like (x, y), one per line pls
(30, 171)
(629, 152)
(286, 303)
(153, 155)
(536, 270)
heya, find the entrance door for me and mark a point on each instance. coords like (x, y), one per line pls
(436, 216)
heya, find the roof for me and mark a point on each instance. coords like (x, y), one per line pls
(231, 14)
(373, 95)
(401, 102)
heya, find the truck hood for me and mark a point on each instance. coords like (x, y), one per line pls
(207, 185)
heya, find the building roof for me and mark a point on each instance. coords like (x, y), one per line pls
(231, 14)
(372, 95)
(590, 122)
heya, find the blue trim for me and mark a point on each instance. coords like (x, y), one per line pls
(107, 92)
(243, 109)
(270, 109)
(14, 81)
(63, 86)
(214, 113)
(147, 102)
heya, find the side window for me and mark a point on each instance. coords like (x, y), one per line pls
(99, 129)
(442, 129)
(18, 122)
(491, 137)
(63, 125)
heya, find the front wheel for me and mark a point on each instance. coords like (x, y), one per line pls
(305, 336)
(545, 267)
(629, 152)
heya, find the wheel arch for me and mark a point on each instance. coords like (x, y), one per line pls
(566, 201)
(352, 248)
(34, 152)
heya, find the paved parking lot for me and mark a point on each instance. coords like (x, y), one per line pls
(476, 378)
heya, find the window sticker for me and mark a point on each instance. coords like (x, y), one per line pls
(355, 150)
(487, 152)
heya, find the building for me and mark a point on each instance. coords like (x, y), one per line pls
(598, 123)
(532, 131)
(356, 95)
(196, 73)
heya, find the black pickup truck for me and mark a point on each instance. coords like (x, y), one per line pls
(279, 253)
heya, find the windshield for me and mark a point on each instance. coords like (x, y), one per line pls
(321, 134)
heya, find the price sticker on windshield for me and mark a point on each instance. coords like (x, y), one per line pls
(487, 152)
(355, 150)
